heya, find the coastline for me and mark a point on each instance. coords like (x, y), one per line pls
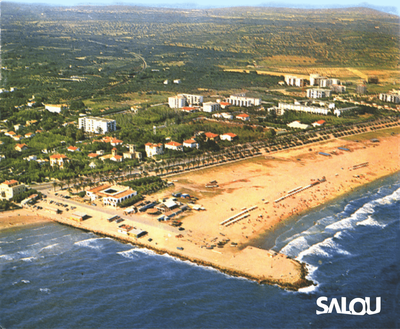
(260, 179)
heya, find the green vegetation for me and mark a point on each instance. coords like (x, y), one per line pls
(120, 58)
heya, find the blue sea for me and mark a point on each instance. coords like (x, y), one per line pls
(53, 276)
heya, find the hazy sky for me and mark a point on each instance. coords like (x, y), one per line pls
(392, 6)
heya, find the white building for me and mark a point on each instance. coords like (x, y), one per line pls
(390, 98)
(224, 115)
(228, 137)
(153, 149)
(97, 125)
(174, 146)
(294, 81)
(211, 107)
(190, 143)
(193, 99)
(318, 93)
(111, 194)
(176, 102)
(55, 108)
(241, 100)
(298, 125)
(303, 108)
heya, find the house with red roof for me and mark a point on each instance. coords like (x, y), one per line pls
(17, 138)
(189, 109)
(211, 136)
(21, 147)
(224, 105)
(93, 155)
(73, 149)
(58, 159)
(243, 116)
(191, 143)
(318, 123)
(174, 146)
(228, 137)
(29, 135)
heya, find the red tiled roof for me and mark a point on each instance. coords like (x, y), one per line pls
(20, 145)
(211, 135)
(190, 141)
(231, 135)
(93, 155)
(243, 115)
(320, 122)
(72, 148)
(58, 156)
(174, 143)
(10, 182)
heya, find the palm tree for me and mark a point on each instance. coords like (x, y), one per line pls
(54, 185)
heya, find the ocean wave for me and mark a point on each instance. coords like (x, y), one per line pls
(371, 222)
(131, 253)
(295, 246)
(93, 243)
(327, 248)
(25, 281)
(6, 257)
(49, 247)
(28, 259)
(46, 290)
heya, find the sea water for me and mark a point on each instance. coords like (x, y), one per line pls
(52, 276)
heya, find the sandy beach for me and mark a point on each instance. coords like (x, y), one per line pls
(309, 178)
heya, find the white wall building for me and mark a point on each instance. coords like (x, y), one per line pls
(97, 125)
(390, 98)
(55, 108)
(176, 102)
(211, 107)
(241, 100)
(303, 108)
(298, 125)
(294, 81)
(174, 146)
(318, 93)
(153, 149)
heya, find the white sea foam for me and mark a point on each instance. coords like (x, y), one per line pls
(49, 247)
(6, 257)
(28, 259)
(93, 243)
(131, 253)
(25, 281)
(46, 290)
(371, 222)
(295, 246)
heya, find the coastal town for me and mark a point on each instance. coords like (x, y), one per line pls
(198, 212)
(198, 149)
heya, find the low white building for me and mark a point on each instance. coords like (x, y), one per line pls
(174, 146)
(191, 143)
(97, 125)
(241, 100)
(111, 194)
(303, 108)
(226, 116)
(298, 125)
(228, 137)
(211, 107)
(55, 108)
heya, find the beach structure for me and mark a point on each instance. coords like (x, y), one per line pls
(10, 189)
(97, 125)
(111, 195)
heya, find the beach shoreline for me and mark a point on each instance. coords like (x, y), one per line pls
(263, 184)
